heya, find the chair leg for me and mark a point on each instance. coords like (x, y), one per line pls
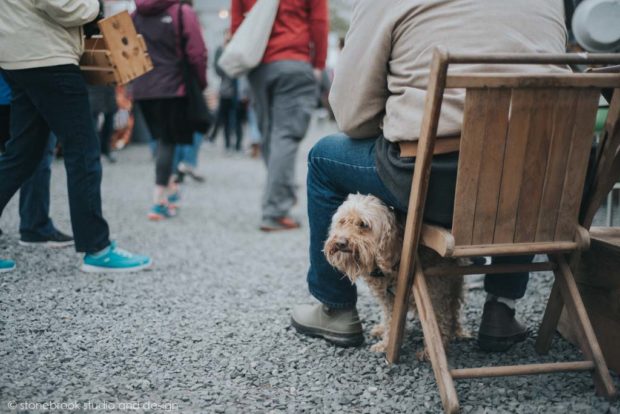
(433, 342)
(587, 338)
(399, 311)
(550, 320)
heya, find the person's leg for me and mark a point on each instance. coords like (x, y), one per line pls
(261, 104)
(105, 135)
(227, 119)
(293, 91)
(510, 286)
(337, 166)
(60, 95)
(36, 226)
(238, 125)
(29, 133)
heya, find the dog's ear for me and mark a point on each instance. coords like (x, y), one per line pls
(389, 243)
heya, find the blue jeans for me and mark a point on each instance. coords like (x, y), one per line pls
(34, 199)
(55, 99)
(188, 154)
(337, 167)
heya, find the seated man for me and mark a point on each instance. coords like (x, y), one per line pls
(378, 99)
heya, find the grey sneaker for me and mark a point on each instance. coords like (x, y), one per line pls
(341, 327)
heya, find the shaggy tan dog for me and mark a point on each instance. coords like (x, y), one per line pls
(365, 241)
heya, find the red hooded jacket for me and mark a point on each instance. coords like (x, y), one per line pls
(299, 31)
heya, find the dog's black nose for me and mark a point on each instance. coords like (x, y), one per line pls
(342, 244)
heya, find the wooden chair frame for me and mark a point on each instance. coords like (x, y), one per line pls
(564, 291)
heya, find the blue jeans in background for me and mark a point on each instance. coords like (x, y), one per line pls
(339, 166)
(34, 199)
(55, 99)
(188, 154)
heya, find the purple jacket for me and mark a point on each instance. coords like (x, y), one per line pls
(158, 22)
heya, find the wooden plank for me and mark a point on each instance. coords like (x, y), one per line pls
(537, 155)
(438, 239)
(563, 121)
(434, 343)
(550, 320)
(587, 337)
(96, 58)
(512, 176)
(512, 249)
(607, 168)
(94, 43)
(417, 200)
(530, 369)
(539, 58)
(127, 51)
(607, 238)
(470, 157)
(491, 165)
(536, 81)
(578, 161)
(487, 269)
(98, 76)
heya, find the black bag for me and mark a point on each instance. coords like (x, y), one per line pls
(199, 117)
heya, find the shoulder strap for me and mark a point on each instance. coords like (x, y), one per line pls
(182, 40)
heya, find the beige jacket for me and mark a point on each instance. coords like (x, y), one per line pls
(38, 33)
(382, 73)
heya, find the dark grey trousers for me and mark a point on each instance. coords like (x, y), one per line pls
(285, 94)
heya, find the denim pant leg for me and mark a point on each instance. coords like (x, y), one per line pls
(59, 96)
(25, 149)
(34, 199)
(337, 167)
(509, 285)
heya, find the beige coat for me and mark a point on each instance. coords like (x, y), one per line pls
(382, 73)
(39, 33)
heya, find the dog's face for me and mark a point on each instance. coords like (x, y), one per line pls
(362, 237)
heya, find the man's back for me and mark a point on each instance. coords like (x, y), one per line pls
(394, 41)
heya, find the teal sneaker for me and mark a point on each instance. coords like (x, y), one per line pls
(174, 198)
(161, 212)
(115, 260)
(6, 266)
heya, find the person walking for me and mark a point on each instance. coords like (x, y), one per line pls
(285, 92)
(160, 93)
(228, 108)
(49, 94)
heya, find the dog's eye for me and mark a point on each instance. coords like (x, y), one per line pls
(363, 225)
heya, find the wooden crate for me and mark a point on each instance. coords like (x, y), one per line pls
(116, 57)
(598, 278)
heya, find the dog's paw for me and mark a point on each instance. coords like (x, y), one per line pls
(423, 355)
(463, 333)
(377, 330)
(379, 347)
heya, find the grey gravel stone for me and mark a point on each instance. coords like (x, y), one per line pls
(208, 328)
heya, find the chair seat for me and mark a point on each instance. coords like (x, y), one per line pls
(442, 241)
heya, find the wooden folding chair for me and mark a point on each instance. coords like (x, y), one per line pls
(525, 144)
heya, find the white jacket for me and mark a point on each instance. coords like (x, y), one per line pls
(39, 33)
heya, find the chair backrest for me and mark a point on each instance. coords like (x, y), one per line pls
(525, 146)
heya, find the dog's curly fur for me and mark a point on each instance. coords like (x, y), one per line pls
(364, 237)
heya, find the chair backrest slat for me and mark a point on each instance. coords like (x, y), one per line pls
(522, 163)
(572, 195)
(563, 123)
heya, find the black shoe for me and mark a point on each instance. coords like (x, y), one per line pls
(56, 240)
(499, 330)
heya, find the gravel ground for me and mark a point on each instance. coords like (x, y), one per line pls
(207, 330)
